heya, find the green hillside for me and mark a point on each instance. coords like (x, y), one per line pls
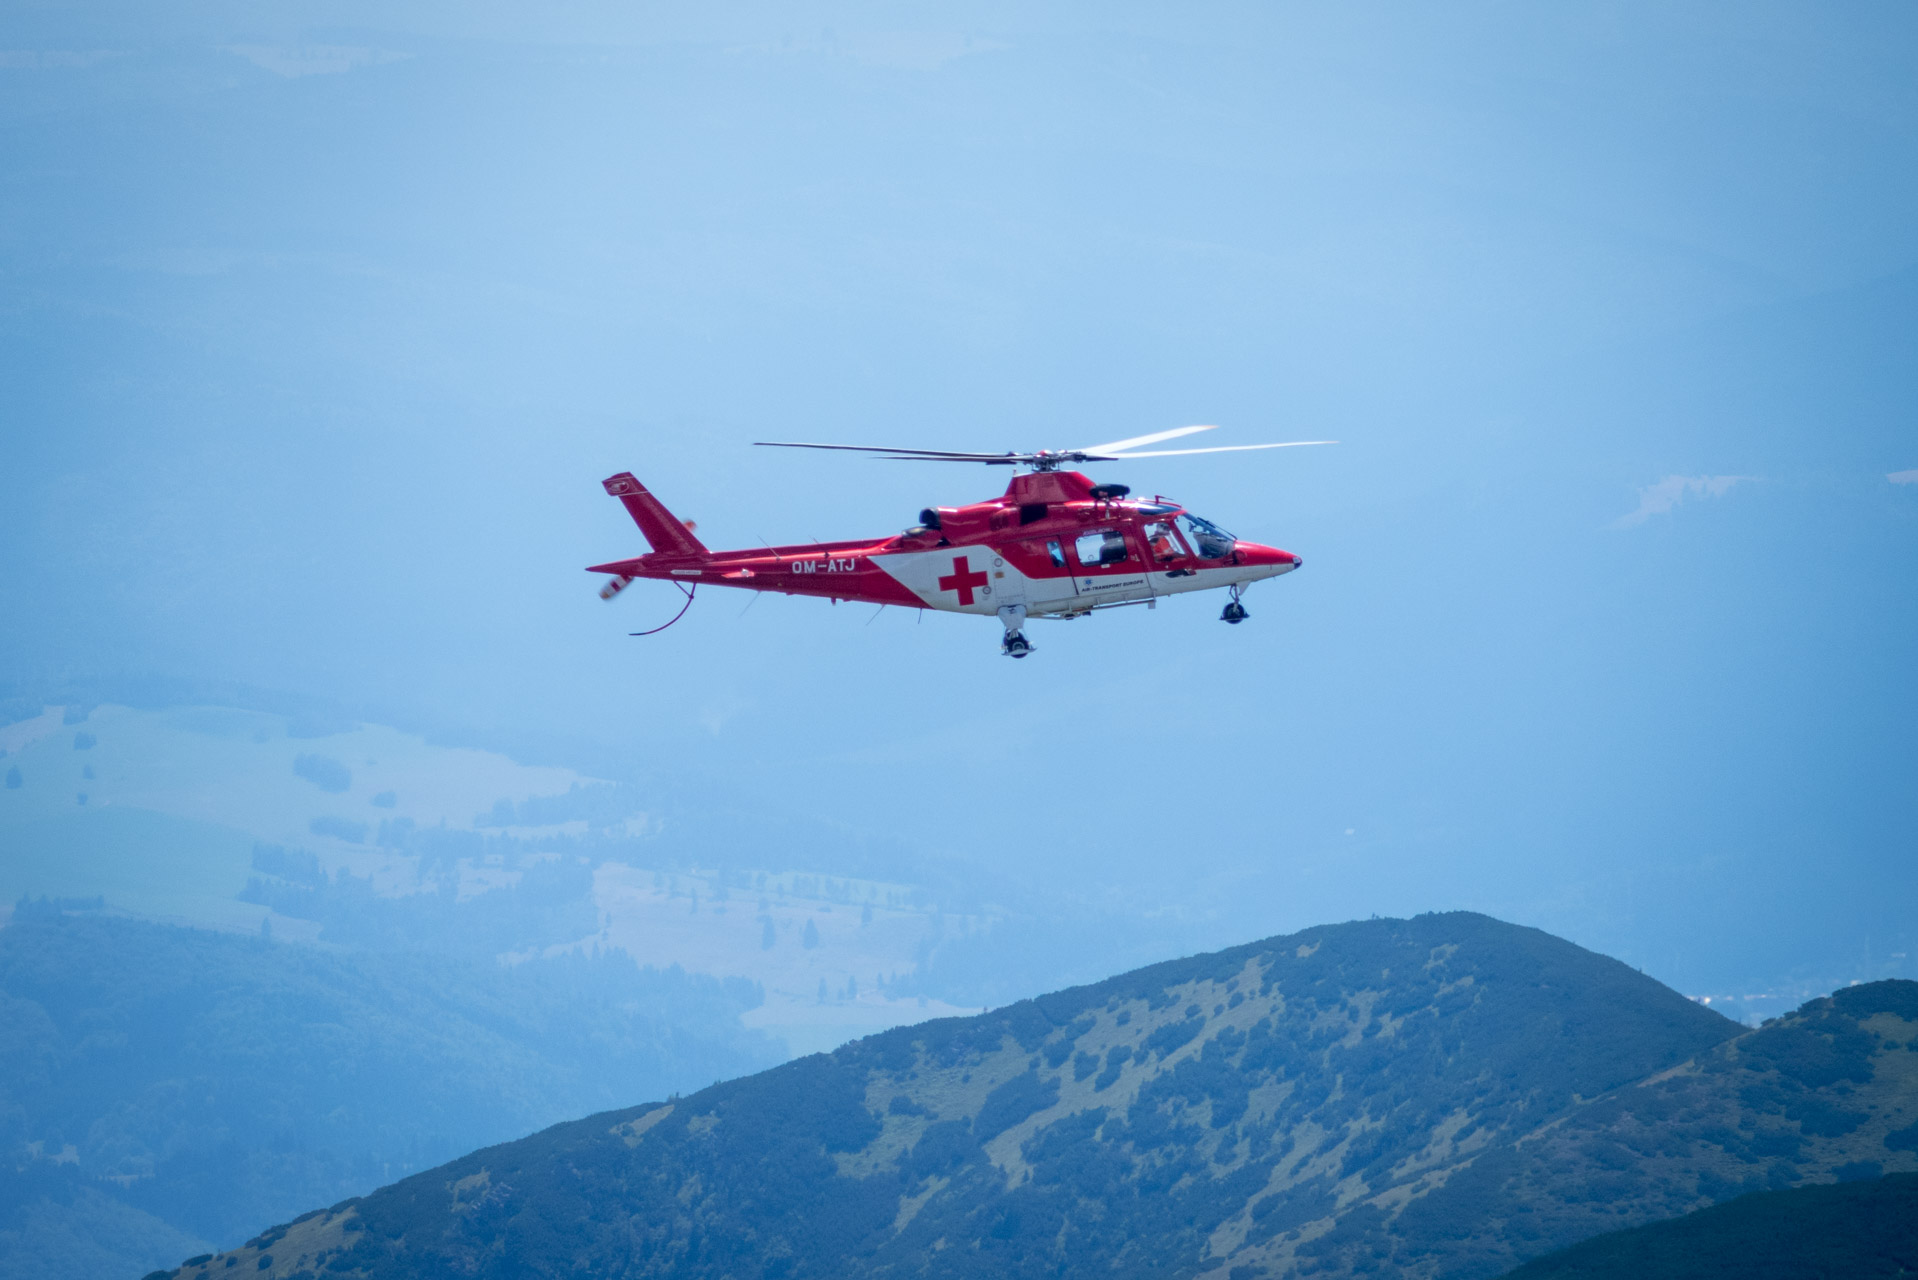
(162, 1087)
(1286, 1107)
(1846, 1231)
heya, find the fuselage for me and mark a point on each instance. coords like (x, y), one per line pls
(1055, 543)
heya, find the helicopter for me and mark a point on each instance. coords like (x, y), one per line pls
(1054, 545)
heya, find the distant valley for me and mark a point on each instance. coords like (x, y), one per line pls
(366, 836)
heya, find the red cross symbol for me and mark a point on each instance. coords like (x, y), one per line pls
(961, 581)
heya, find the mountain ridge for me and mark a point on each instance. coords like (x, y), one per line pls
(1345, 1100)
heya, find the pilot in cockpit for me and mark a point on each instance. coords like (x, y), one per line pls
(1159, 539)
(1210, 541)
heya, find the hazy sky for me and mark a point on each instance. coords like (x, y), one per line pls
(322, 322)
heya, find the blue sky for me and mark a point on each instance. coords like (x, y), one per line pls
(321, 325)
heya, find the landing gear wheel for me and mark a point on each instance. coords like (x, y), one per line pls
(1234, 611)
(1013, 618)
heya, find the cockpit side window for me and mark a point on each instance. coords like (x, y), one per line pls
(1162, 542)
(1207, 539)
(1055, 553)
(1100, 547)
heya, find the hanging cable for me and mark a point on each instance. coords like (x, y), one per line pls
(677, 616)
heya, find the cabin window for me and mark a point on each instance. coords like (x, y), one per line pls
(1100, 547)
(1055, 553)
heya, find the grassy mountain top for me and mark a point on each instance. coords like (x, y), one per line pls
(1859, 1230)
(1209, 1115)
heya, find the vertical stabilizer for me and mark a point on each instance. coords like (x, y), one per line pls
(664, 531)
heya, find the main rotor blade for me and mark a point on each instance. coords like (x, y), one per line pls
(1224, 448)
(990, 459)
(947, 455)
(1116, 446)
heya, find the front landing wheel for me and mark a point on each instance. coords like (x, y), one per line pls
(1234, 613)
(1016, 645)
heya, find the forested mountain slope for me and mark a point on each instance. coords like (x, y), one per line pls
(1861, 1230)
(1291, 1105)
(1827, 1092)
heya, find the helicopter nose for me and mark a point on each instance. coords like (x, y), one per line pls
(1269, 557)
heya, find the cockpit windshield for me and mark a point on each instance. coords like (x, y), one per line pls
(1207, 539)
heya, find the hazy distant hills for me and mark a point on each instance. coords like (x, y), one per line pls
(161, 1088)
(1856, 1230)
(1441, 1097)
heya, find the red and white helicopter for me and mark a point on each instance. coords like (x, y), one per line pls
(1055, 545)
